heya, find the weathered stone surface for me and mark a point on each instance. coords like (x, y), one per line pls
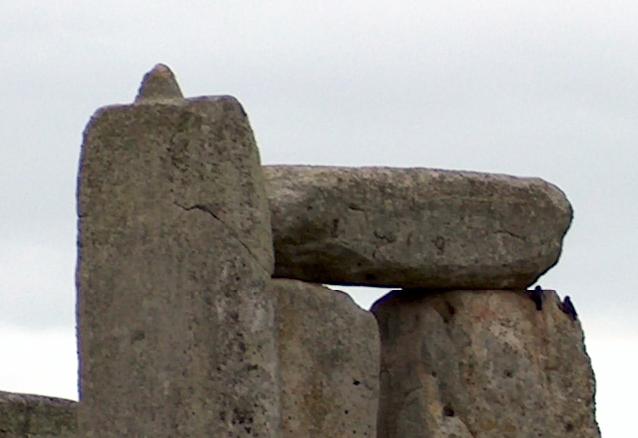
(329, 356)
(414, 227)
(25, 415)
(157, 85)
(176, 330)
(482, 365)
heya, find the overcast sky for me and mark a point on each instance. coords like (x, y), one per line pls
(540, 88)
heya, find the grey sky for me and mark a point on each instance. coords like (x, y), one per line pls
(548, 89)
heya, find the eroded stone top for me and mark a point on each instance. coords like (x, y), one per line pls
(158, 84)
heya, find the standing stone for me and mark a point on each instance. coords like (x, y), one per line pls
(329, 358)
(482, 365)
(176, 329)
(380, 226)
(36, 416)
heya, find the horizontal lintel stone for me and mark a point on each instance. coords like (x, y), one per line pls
(414, 227)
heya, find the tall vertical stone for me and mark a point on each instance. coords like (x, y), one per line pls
(482, 364)
(175, 326)
(329, 362)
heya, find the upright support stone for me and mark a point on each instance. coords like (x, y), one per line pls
(482, 364)
(175, 326)
(329, 359)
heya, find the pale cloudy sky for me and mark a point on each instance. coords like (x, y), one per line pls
(540, 88)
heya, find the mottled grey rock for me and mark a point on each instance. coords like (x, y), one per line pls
(35, 416)
(176, 330)
(157, 85)
(329, 358)
(414, 227)
(482, 364)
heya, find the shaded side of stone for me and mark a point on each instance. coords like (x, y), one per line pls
(414, 227)
(483, 365)
(175, 328)
(329, 356)
(25, 415)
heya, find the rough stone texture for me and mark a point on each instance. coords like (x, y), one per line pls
(176, 330)
(159, 84)
(329, 356)
(482, 365)
(414, 227)
(25, 415)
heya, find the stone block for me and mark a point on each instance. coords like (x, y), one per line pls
(482, 364)
(36, 416)
(415, 227)
(329, 356)
(175, 327)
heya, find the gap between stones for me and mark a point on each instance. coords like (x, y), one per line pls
(204, 209)
(363, 296)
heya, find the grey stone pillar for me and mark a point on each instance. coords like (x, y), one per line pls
(482, 364)
(175, 326)
(329, 355)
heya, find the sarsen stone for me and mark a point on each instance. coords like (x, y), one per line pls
(414, 227)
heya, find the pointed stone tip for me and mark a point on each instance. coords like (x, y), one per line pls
(158, 84)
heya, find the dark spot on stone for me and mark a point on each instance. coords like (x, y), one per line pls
(508, 373)
(446, 311)
(335, 228)
(448, 411)
(355, 382)
(439, 243)
(434, 374)
(138, 335)
(241, 345)
(569, 427)
(346, 412)
(241, 417)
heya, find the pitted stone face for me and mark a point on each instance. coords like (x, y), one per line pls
(157, 85)
(176, 328)
(26, 415)
(329, 362)
(482, 364)
(414, 227)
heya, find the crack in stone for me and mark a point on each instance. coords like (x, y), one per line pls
(509, 233)
(203, 208)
